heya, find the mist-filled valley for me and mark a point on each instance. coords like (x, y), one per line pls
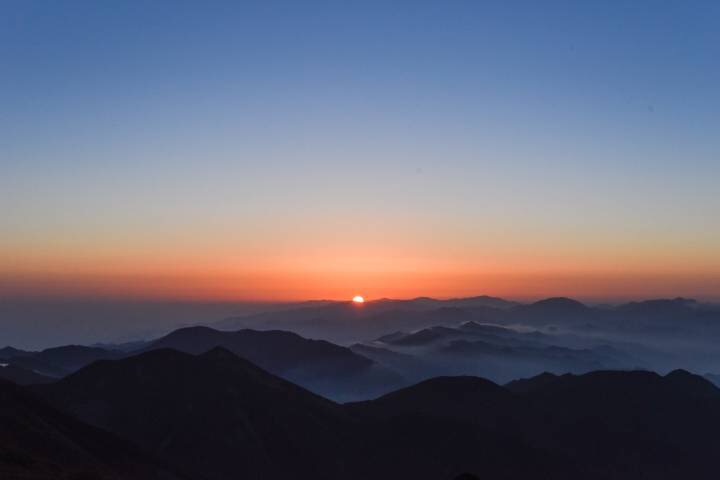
(349, 351)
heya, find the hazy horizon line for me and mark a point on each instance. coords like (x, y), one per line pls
(297, 301)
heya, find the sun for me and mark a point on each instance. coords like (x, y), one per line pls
(358, 299)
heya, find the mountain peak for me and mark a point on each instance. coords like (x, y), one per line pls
(661, 306)
(220, 353)
(465, 392)
(529, 384)
(246, 422)
(692, 383)
(8, 351)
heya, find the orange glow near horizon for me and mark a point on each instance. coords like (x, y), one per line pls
(294, 286)
(251, 179)
(306, 268)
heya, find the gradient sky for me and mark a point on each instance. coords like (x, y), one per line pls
(268, 150)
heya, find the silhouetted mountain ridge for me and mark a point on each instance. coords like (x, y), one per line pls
(323, 367)
(58, 361)
(22, 376)
(10, 352)
(215, 415)
(274, 350)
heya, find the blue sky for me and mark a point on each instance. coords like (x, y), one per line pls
(488, 134)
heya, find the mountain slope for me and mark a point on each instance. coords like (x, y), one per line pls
(276, 351)
(59, 361)
(213, 415)
(22, 376)
(640, 423)
(605, 424)
(445, 426)
(38, 442)
(10, 352)
(524, 385)
(325, 368)
(460, 397)
(217, 417)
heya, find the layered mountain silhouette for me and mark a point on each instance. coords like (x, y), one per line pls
(325, 368)
(470, 399)
(525, 385)
(483, 336)
(605, 424)
(338, 321)
(217, 416)
(495, 352)
(277, 351)
(22, 376)
(713, 378)
(57, 361)
(10, 352)
(206, 404)
(347, 322)
(659, 334)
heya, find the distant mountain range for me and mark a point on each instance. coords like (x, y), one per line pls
(664, 332)
(323, 367)
(22, 376)
(399, 342)
(341, 321)
(496, 352)
(216, 416)
(338, 321)
(58, 361)
(467, 388)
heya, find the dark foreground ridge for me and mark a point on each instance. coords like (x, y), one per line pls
(214, 415)
(217, 416)
(38, 442)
